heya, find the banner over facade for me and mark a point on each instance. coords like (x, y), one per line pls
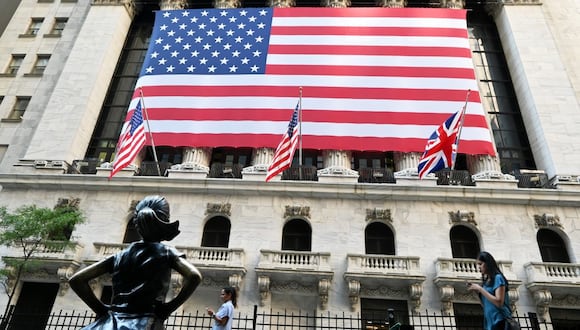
(373, 78)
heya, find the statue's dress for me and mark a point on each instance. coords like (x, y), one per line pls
(141, 276)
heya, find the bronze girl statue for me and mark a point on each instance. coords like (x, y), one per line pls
(141, 274)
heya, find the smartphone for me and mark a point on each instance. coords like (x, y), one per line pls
(468, 284)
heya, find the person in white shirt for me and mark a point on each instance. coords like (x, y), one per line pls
(224, 317)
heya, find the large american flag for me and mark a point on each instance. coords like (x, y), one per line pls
(373, 78)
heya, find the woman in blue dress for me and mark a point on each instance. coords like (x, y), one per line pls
(492, 293)
(141, 275)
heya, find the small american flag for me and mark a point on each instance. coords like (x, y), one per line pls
(132, 140)
(285, 151)
(441, 147)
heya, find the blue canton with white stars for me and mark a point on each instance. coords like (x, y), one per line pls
(209, 41)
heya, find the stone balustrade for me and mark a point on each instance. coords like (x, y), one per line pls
(383, 264)
(553, 272)
(295, 260)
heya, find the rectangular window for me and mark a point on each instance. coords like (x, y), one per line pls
(15, 64)
(58, 27)
(40, 65)
(19, 107)
(34, 27)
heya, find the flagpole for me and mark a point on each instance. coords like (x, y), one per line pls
(300, 133)
(149, 130)
(458, 138)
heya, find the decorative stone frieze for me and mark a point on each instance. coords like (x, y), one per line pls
(547, 220)
(376, 214)
(218, 209)
(462, 216)
(297, 211)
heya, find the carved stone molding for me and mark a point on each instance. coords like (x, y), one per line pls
(235, 281)
(377, 214)
(547, 220)
(353, 293)
(64, 274)
(218, 209)
(446, 294)
(70, 203)
(542, 298)
(462, 216)
(176, 283)
(323, 289)
(297, 211)
(210, 281)
(384, 291)
(264, 288)
(566, 301)
(514, 296)
(415, 293)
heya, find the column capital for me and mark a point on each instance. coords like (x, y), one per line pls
(391, 3)
(453, 4)
(222, 4)
(281, 3)
(172, 4)
(130, 5)
(335, 3)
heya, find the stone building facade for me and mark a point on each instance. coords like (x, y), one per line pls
(340, 242)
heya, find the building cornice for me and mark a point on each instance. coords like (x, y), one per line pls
(383, 192)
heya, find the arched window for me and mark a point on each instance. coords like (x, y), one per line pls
(464, 242)
(379, 239)
(297, 236)
(216, 232)
(552, 246)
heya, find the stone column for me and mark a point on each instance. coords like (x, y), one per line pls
(80, 88)
(406, 163)
(337, 163)
(195, 161)
(262, 157)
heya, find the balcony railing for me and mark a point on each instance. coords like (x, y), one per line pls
(448, 177)
(382, 264)
(206, 256)
(553, 272)
(295, 260)
(50, 250)
(376, 175)
(304, 173)
(225, 171)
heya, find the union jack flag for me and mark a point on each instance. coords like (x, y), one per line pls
(441, 147)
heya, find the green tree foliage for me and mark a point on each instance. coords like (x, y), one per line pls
(31, 230)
